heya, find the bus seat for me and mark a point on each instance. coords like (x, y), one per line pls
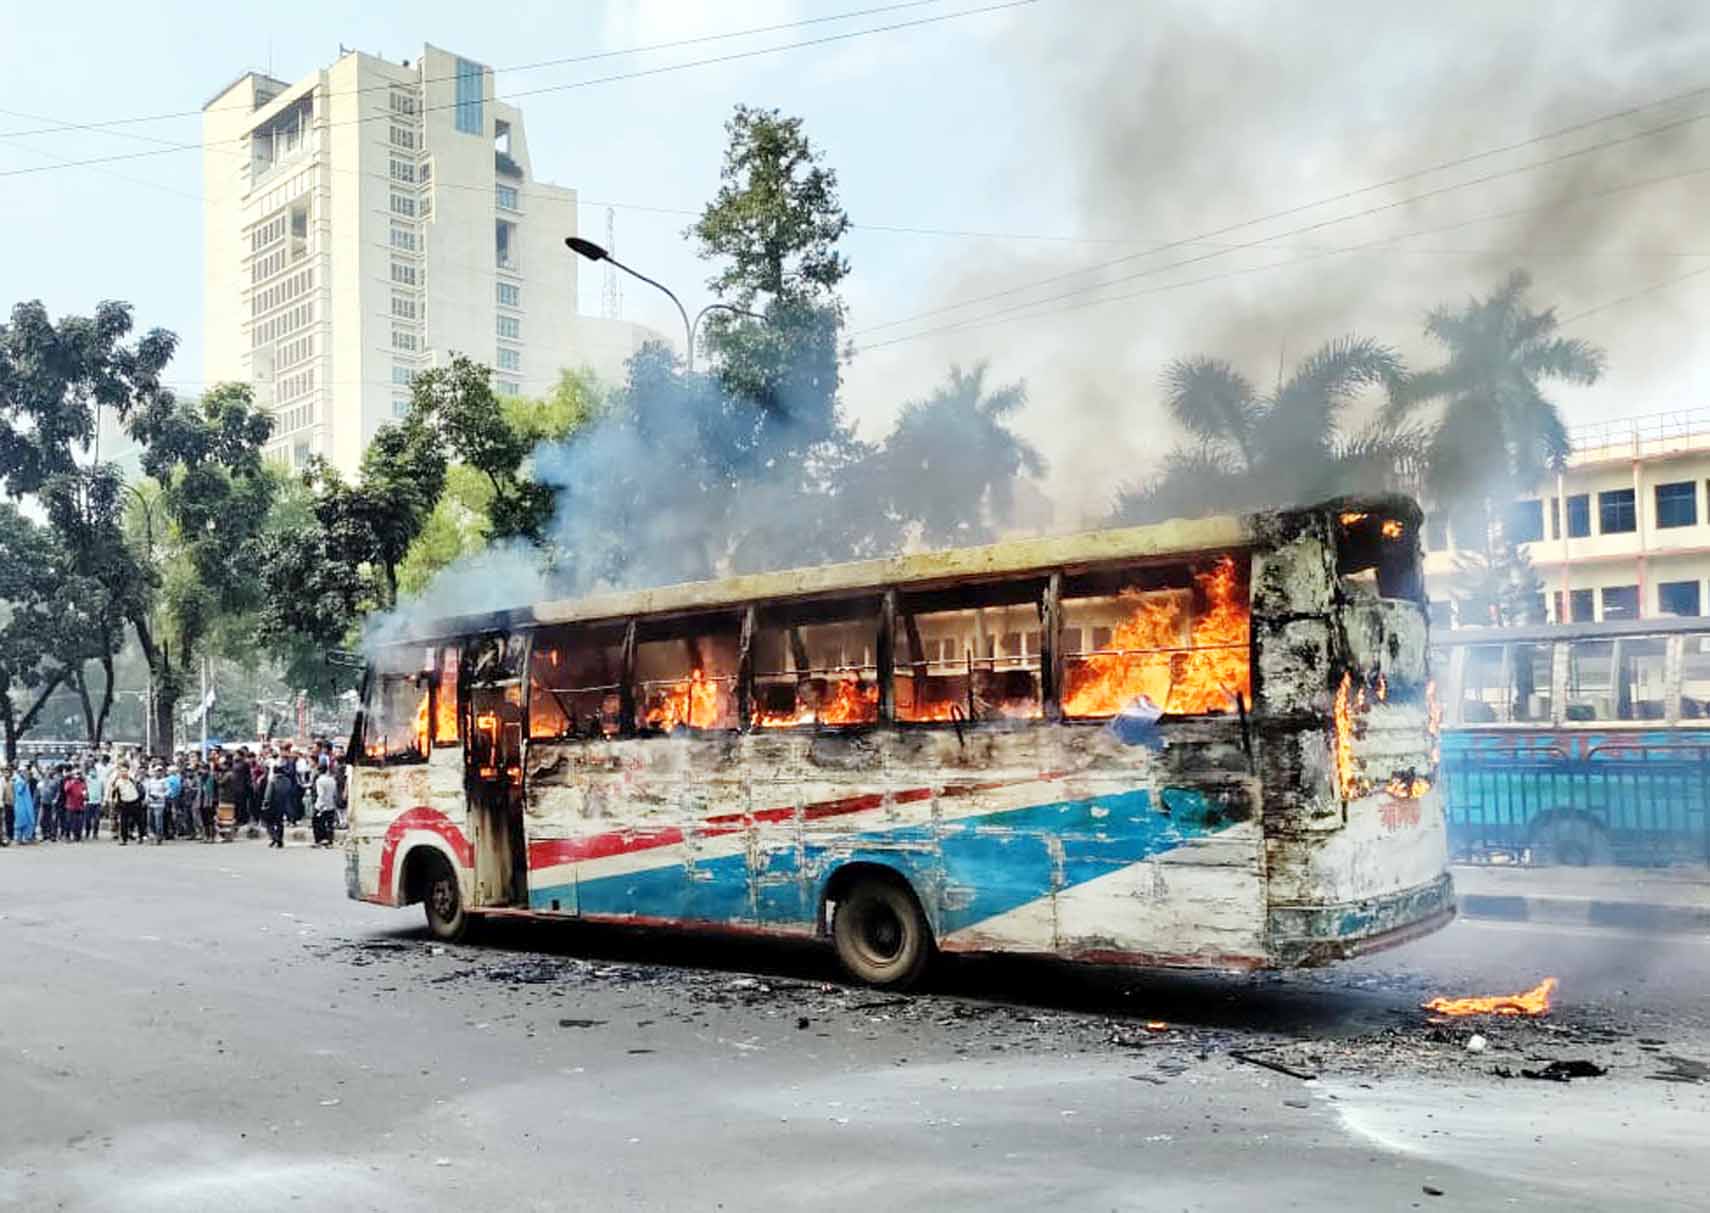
(1648, 709)
(1580, 711)
(1691, 709)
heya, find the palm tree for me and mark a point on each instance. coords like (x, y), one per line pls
(1249, 449)
(951, 462)
(1498, 434)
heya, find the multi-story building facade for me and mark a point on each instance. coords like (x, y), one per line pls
(1623, 532)
(367, 222)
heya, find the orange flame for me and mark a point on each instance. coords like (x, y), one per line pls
(1350, 518)
(1347, 782)
(1407, 789)
(1391, 528)
(1145, 655)
(1535, 1001)
(851, 701)
(697, 702)
(421, 725)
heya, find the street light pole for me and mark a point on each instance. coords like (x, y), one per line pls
(594, 252)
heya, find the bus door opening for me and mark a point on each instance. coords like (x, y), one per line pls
(494, 716)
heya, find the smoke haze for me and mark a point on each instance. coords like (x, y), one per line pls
(1157, 122)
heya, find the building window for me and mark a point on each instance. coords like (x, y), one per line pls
(1616, 513)
(1526, 521)
(403, 103)
(510, 294)
(469, 90)
(510, 360)
(400, 406)
(1579, 515)
(1678, 598)
(507, 196)
(404, 137)
(507, 387)
(1579, 607)
(1555, 518)
(405, 171)
(403, 340)
(404, 238)
(404, 307)
(505, 244)
(1677, 504)
(510, 326)
(403, 204)
(403, 273)
(1620, 602)
(402, 376)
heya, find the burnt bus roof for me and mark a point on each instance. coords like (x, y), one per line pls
(925, 570)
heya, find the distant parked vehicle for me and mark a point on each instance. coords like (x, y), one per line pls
(1577, 743)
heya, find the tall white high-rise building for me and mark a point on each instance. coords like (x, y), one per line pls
(369, 221)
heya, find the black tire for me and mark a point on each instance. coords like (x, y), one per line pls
(881, 934)
(442, 898)
(1570, 840)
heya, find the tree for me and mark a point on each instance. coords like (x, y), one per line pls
(1498, 587)
(950, 462)
(215, 495)
(457, 404)
(54, 380)
(775, 223)
(1497, 433)
(34, 596)
(1250, 449)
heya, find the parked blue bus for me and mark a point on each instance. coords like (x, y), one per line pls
(1577, 743)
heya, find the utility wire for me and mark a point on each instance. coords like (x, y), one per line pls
(105, 124)
(554, 88)
(1009, 314)
(1652, 289)
(1294, 210)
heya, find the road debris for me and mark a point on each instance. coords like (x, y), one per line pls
(1268, 1064)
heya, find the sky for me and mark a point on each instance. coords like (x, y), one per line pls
(1080, 177)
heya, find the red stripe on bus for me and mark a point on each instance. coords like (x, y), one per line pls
(420, 818)
(548, 852)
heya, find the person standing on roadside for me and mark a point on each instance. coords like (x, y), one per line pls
(232, 789)
(73, 793)
(326, 805)
(23, 809)
(47, 804)
(277, 798)
(95, 793)
(127, 798)
(155, 795)
(7, 809)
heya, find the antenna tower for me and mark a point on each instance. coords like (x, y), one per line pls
(611, 294)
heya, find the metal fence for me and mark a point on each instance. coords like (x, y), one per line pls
(1642, 804)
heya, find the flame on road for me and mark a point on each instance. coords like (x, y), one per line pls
(1535, 1001)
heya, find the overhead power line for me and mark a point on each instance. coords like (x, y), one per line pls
(1021, 311)
(642, 73)
(1652, 289)
(1345, 195)
(700, 40)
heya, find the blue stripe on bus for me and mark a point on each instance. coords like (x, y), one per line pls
(966, 870)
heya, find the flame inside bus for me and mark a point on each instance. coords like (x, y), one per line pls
(1145, 655)
(692, 702)
(847, 701)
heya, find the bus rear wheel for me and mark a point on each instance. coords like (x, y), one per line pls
(443, 900)
(881, 934)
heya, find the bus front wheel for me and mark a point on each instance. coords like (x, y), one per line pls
(881, 934)
(443, 900)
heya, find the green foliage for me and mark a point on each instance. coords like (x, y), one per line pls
(1497, 588)
(457, 527)
(576, 400)
(457, 404)
(1253, 449)
(774, 224)
(950, 463)
(1498, 433)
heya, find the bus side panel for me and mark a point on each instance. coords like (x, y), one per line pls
(395, 809)
(1101, 847)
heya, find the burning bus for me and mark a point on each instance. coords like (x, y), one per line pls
(1203, 743)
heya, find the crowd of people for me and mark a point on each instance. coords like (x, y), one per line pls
(189, 796)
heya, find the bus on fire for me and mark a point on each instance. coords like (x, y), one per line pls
(1200, 743)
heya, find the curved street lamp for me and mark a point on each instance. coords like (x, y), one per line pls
(595, 252)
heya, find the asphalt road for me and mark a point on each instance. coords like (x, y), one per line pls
(214, 1027)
